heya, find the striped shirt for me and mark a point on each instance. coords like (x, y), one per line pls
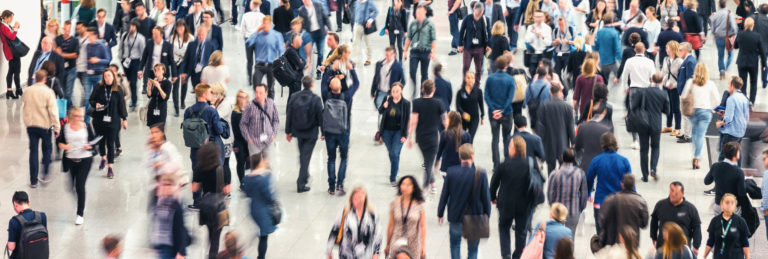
(259, 125)
(568, 185)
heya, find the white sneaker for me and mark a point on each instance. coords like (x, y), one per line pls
(79, 220)
(635, 145)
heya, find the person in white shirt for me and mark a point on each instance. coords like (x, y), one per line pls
(216, 71)
(170, 22)
(630, 15)
(538, 36)
(158, 13)
(638, 69)
(251, 22)
(652, 27)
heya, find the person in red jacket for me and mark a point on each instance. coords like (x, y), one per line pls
(8, 33)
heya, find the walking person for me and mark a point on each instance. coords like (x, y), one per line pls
(157, 51)
(406, 230)
(568, 186)
(158, 91)
(450, 139)
(724, 28)
(336, 128)
(692, 26)
(705, 98)
(750, 49)
(653, 102)
(427, 117)
(422, 42)
(625, 208)
(67, 47)
(678, 211)
(356, 230)
(78, 155)
(240, 145)
(474, 40)
(268, 45)
(259, 186)
(41, 117)
(209, 179)
(396, 27)
(304, 116)
(469, 104)
(685, 72)
(395, 118)
(251, 22)
(499, 45)
(676, 245)
(733, 124)
(9, 33)
(609, 168)
(161, 156)
(131, 50)
(388, 71)
(554, 229)
(224, 107)
(169, 236)
(109, 115)
(499, 93)
(216, 71)
(670, 68)
(733, 243)
(587, 141)
(25, 217)
(555, 126)
(364, 16)
(316, 22)
(180, 41)
(585, 83)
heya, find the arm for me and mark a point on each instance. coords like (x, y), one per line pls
(334, 233)
(412, 125)
(550, 189)
(709, 178)
(485, 192)
(695, 227)
(288, 112)
(390, 230)
(53, 112)
(654, 225)
(462, 31)
(444, 195)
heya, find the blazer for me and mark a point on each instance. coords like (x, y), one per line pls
(750, 49)
(392, 24)
(322, 19)
(54, 57)
(190, 20)
(457, 191)
(110, 35)
(509, 184)
(215, 35)
(685, 72)
(166, 57)
(395, 75)
(191, 58)
(656, 103)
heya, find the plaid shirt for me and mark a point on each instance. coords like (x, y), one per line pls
(257, 121)
(568, 185)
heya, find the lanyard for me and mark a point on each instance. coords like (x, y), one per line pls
(405, 216)
(724, 231)
(130, 49)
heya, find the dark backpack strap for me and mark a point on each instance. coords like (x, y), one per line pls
(219, 179)
(21, 219)
(262, 110)
(540, 92)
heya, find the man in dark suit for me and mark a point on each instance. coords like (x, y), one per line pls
(317, 24)
(667, 36)
(214, 31)
(195, 19)
(555, 126)
(198, 53)
(655, 102)
(145, 23)
(750, 51)
(304, 116)
(705, 11)
(394, 71)
(45, 53)
(443, 90)
(152, 56)
(761, 27)
(533, 145)
(685, 73)
(106, 30)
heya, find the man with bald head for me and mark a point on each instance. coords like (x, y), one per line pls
(336, 105)
(45, 53)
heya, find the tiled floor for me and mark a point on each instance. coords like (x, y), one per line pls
(120, 205)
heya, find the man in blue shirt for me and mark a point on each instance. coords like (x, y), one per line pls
(499, 92)
(608, 45)
(267, 45)
(21, 207)
(609, 168)
(537, 94)
(443, 89)
(734, 123)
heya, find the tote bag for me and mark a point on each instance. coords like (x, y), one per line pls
(535, 249)
(475, 226)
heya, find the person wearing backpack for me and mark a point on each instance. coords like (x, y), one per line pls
(304, 114)
(335, 130)
(210, 180)
(27, 226)
(537, 94)
(202, 124)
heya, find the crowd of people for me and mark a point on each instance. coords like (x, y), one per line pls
(647, 52)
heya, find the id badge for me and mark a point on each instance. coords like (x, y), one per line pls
(263, 137)
(396, 32)
(401, 242)
(415, 45)
(475, 41)
(559, 54)
(156, 112)
(107, 118)
(198, 68)
(127, 62)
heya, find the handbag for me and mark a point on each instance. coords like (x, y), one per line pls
(62, 105)
(463, 11)
(370, 29)
(730, 40)
(276, 212)
(18, 48)
(475, 226)
(637, 119)
(535, 248)
(213, 206)
(693, 38)
(686, 104)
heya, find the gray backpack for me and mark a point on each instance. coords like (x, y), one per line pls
(195, 129)
(335, 116)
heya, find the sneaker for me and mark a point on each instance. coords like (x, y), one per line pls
(303, 189)
(79, 220)
(722, 74)
(192, 207)
(393, 183)
(341, 191)
(118, 151)
(331, 191)
(453, 52)
(710, 192)
(102, 164)
(110, 174)
(635, 145)
(33, 186)
(684, 139)
(654, 176)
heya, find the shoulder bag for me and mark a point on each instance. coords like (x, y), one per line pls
(535, 249)
(341, 227)
(693, 38)
(686, 104)
(475, 226)
(369, 29)
(462, 11)
(730, 40)
(18, 48)
(638, 118)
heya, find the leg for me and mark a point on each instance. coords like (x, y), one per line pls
(478, 56)
(35, 134)
(453, 20)
(655, 140)
(233, 11)
(752, 83)
(69, 85)
(720, 44)
(110, 138)
(699, 128)
(249, 54)
(133, 68)
(319, 38)
(339, 14)
(506, 130)
(183, 92)
(80, 176)
(644, 139)
(330, 145)
(424, 67)
(429, 151)
(674, 106)
(175, 95)
(455, 239)
(511, 27)
(399, 45)
(213, 238)
(368, 50)
(262, 247)
(394, 154)
(47, 149)
(495, 126)
(270, 82)
(572, 222)
(241, 156)
(357, 35)
(343, 153)
(472, 248)
(505, 223)
(413, 65)
(305, 154)
(258, 74)
(466, 59)
(473, 124)
(521, 233)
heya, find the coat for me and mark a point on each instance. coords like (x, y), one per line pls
(555, 126)
(322, 19)
(761, 27)
(685, 72)
(656, 103)
(261, 192)
(509, 186)
(395, 75)
(750, 49)
(110, 34)
(54, 57)
(587, 142)
(190, 59)
(625, 208)
(166, 58)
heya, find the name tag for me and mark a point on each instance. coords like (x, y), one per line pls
(559, 54)
(734, 230)
(156, 112)
(66, 65)
(198, 68)
(107, 118)
(475, 41)
(165, 54)
(415, 45)
(127, 62)
(681, 214)
(400, 242)
(396, 32)
(263, 137)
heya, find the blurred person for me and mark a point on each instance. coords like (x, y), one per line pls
(29, 218)
(669, 12)
(144, 22)
(158, 91)
(692, 26)
(232, 250)
(761, 27)
(283, 16)
(109, 115)
(45, 53)
(734, 242)
(364, 16)
(170, 26)
(562, 39)
(207, 178)
(197, 57)
(539, 37)
(407, 231)
(499, 93)
(161, 156)
(608, 45)
(587, 141)
(240, 145)
(676, 245)
(676, 210)
(224, 107)
(625, 208)
(735, 117)
(443, 88)
(168, 235)
(568, 186)
(86, 11)
(555, 127)
(750, 49)
(469, 103)
(652, 26)
(537, 93)
(316, 23)
(304, 117)
(564, 249)
(624, 248)
(112, 246)
(554, 229)
(585, 83)
(388, 71)
(194, 19)
(95, 61)
(427, 117)
(356, 230)
(67, 47)
(214, 31)
(450, 139)
(653, 101)
(395, 118)
(599, 99)
(158, 12)
(74, 140)
(670, 33)
(609, 168)
(705, 99)
(670, 68)
(534, 146)
(259, 186)
(295, 62)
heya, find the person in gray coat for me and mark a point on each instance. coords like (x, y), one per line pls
(555, 126)
(587, 141)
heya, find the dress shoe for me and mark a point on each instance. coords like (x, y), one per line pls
(654, 176)
(684, 139)
(340, 190)
(331, 191)
(675, 132)
(695, 163)
(666, 130)
(367, 63)
(303, 189)
(644, 179)
(19, 92)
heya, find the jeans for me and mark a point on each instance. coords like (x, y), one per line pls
(455, 237)
(521, 220)
(359, 38)
(79, 172)
(560, 63)
(751, 73)
(233, 11)
(69, 84)
(306, 145)
(318, 37)
(649, 137)
(428, 147)
(36, 135)
(674, 108)
(453, 20)
(699, 122)
(704, 22)
(720, 43)
(339, 14)
(165, 252)
(90, 82)
(598, 229)
(378, 101)
(608, 69)
(133, 68)
(13, 74)
(397, 40)
(391, 139)
(505, 122)
(471, 126)
(419, 57)
(512, 19)
(476, 54)
(332, 141)
(261, 70)
(724, 139)
(249, 54)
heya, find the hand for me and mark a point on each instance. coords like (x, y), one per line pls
(410, 143)
(696, 252)
(65, 146)
(591, 199)
(386, 31)
(309, 67)
(482, 121)
(466, 116)
(556, 42)
(183, 77)
(226, 189)
(140, 74)
(440, 221)
(58, 50)
(497, 116)
(87, 147)
(322, 138)
(386, 104)
(321, 68)
(173, 79)
(487, 49)
(368, 24)
(94, 60)
(516, 27)
(235, 149)
(615, 80)
(375, 256)
(402, 139)
(179, 256)
(461, 49)
(288, 137)
(405, 54)
(719, 124)
(16, 25)
(250, 140)
(432, 55)
(125, 124)
(149, 85)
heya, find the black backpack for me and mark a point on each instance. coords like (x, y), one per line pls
(195, 129)
(284, 72)
(33, 241)
(535, 102)
(301, 104)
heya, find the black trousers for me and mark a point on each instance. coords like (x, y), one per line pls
(13, 74)
(219, 12)
(674, 108)
(521, 220)
(131, 73)
(214, 233)
(107, 144)
(705, 23)
(79, 172)
(471, 126)
(262, 247)
(745, 71)
(397, 40)
(340, 14)
(505, 124)
(428, 147)
(259, 71)
(306, 145)
(649, 137)
(241, 155)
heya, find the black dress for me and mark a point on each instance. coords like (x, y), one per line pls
(156, 108)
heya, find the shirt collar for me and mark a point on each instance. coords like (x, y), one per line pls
(731, 162)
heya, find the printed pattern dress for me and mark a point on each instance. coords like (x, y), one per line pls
(406, 235)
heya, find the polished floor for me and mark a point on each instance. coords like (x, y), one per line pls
(120, 205)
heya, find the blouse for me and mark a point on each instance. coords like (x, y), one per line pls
(180, 47)
(406, 234)
(704, 97)
(652, 28)
(360, 237)
(215, 74)
(76, 139)
(670, 70)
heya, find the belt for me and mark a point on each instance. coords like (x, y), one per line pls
(264, 64)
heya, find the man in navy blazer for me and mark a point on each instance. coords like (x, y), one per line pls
(687, 68)
(213, 29)
(195, 19)
(166, 57)
(45, 53)
(198, 53)
(322, 23)
(395, 73)
(106, 30)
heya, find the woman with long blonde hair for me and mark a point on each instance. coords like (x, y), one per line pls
(675, 243)
(340, 66)
(240, 145)
(356, 230)
(216, 71)
(669, 68)
(705, 98)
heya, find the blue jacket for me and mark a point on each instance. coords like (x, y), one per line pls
(685, 72)
(216, 36)
(100, 51)
(443, 92)
(499, 92)
(191, 59)
(610, 168)
(365, 11)
(553, 233)
(540, 85)
(608, 45)
(736, 115)
(210, 116)
(457, 188)
(259, 190)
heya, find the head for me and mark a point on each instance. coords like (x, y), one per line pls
(685, 49)
(133, 26)
(477, 10)
(498, 28)
(628, 182)
(109, 79)
(307, 3)
(600, 92)
(428, 88)
(259, 160)
(41, 76)
(208, 18)
(332, 40)
(539, 17)
(112, 245)
(389, 53)
(409, 187)
(728, 203)
(437, 69)
(397, 4)
(517, 147)
(169, 18)
(608, 142)
(691, 4)
(676, 192)
(563, 4)
(454, 122)
(92, 34)
(198, 6)
(722, 4)
(600, 6)
(421, 13)
(46, 44)
(52, 27)
(564, 249)
(256, 4)
(114, 68)
(520, 122)
(735, 84)
(503, 61)
(203, 92)
(307, 82)
(76, 114)
(157, 133)
(469, 79)
(558, 212)
(141, 10)
(159, 70)
(358, 199)
(335, 86)
(297, 24)
(167, 185)
(208, 157)
(589, 68)
(561, 23)
(608, 17)
(66, 28)
(260, 92)
(216, 59)
(639, 48)
(126, 5)
(731, 151)
(219, 91)
(182, 30)
(49, 67)
(202, 33)
(466, 153)
(403, 254)
(650, 12)
(569, 156)
(763, 9)
(159, 4)
(20, 201)
(673, 48)
(749, 24)
(296, 40)
(556, 90)
(241, 100)
(157, 35)
(628, 237)
(396, 90)
(674, 239)
(657, 79)
(6, 16)
(230, 244)
(81, 28)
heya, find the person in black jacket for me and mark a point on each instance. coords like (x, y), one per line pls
(727, 175)
(240, 147)
(108, 115)
(705, 11)
(322, 21)
(158, 92)
(396, 27)
(45, 53)
(149, 60)
(214, 31)
(304, 115)
(499, 44)
(53, 82)
(509, 192)
(395, 115)
(74, 139)
(195, 19)
(535, 148)
(679, 211)
(750, 50)
(734, 243)
(691, 23)
(666, 36)
(145, 23)
(296, 62)
(761, 27)
(654, 102)
(474, 37)
(469, 103)
(207, 178)
(106, 31)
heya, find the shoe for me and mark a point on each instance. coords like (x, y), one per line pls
(684, 139)
(303, 189)
(377, 136)
(79, 220)
(653, 175)
(183, 106)
(56, 156)
(666, 130)
(341, 191)
(675, 132)
(338, 29)
(102, 164)
(710, 192)
(695, 163)
(9, 94)
(192, 207)
(367, 63)
(722, 74)
(331, 191)
(393, 183)
(645, 179)
(133, 108)
(118, 151)
(110, 174)
(635, 145)
(453, 52)
(33, 186)
(44, 179)
(19, 92)
(318, 76)
(176, 114)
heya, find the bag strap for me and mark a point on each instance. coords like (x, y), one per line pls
(472, 195)
(341, 227)
(589, 113)
(540, 92)
(219, 179)
(262, 110)
(727, 24)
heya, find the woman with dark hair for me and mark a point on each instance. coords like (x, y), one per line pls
(74, 139)
(108, 115)
(692, 26)
(395, 115)
(564, 249)
(8, 33)
(595, 17)
(450, 140)
(86, 11)
(626, 248)
(744, 10)
(728, 232)
(609, 168)
(282, 17)
(599, 97)
(469, 104)
(158, 90)
(675, 243)
(407, 227)
(52, 81)
(259, 186)
(180, 40)
(207, 180)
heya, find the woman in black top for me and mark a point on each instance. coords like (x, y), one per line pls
(692, 23)
(240, 146)
(108, 115)
(450, 140)
(499, 44)
(469, 103)
(728, 232)
(282, 17)
(750, 50)
(396, 114)
(209, 177)
(396, 26)
(158, 91)
(53, 81)
(744, 9)
(595, 17)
